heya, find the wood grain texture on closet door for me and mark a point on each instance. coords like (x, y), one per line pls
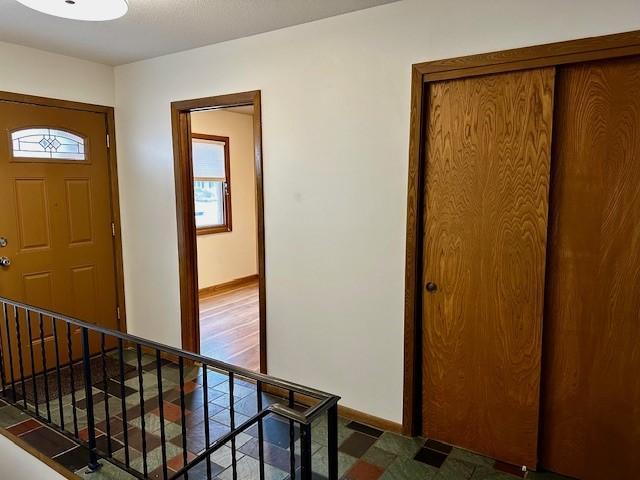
(487, 181)
(591, 391)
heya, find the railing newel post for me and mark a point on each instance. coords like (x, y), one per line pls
(305, 451)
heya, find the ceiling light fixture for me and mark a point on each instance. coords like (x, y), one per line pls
(90, 10)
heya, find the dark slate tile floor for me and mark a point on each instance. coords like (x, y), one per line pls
(365, 453)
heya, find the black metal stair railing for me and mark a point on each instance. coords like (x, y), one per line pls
(46, 357)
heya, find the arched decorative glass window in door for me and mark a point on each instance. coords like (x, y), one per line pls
(47, 144)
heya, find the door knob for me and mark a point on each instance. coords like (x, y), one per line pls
(431, 287)
(5, 262)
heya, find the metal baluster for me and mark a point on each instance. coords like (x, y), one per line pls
(88, 392)
(332, 424)
(13, 380)
(207, 434)
(305, 451)
(2, 359)
(72, 380)
(142, 412)
(105, 384)
(44, 367)
(260, 431)
(33, 363)
(292, 439)
(125, 425)
(183, 415)
(234, 466)
(20, 360)
(163, 445)
(58, 377)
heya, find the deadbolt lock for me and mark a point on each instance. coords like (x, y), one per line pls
(3, 242)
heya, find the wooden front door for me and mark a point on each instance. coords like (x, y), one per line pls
(488, 145)
(55, 215)
(591, 392)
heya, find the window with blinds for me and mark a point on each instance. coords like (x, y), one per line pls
(211, 190)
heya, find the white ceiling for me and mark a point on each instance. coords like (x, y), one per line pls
(157, 27)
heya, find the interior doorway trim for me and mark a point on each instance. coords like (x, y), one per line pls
(187, 246)
(560, 53)
(108, 113)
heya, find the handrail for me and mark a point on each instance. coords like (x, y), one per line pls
(243, 372)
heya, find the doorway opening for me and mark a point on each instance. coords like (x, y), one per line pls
(218, 167)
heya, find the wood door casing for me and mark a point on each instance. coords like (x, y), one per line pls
(591, 389)
(57, 218)
(486, 198)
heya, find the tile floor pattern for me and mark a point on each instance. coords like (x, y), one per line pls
(365, 453)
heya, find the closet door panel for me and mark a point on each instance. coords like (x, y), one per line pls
(591, 389)
(487, 180)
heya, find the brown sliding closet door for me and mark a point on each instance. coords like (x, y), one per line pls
(487, 178)
(591, 391)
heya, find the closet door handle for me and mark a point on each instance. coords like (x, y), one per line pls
(431, 287)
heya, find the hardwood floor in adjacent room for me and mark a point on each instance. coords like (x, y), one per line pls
(230, 326)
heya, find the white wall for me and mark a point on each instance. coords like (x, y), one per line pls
(34, 72)
(336, 127)
(18, 463)
(227, 256)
